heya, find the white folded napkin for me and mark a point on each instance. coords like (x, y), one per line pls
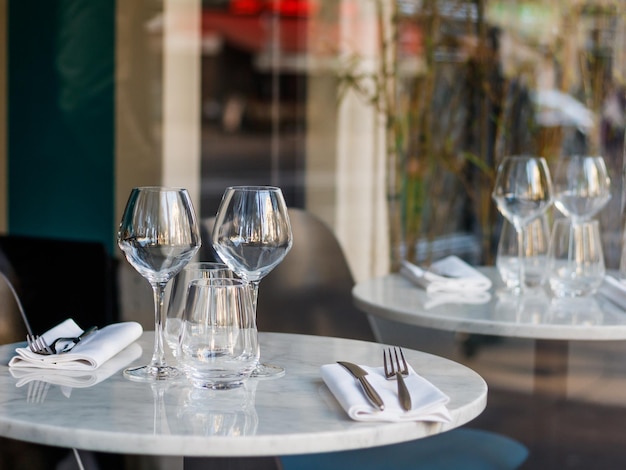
(450, 274)
(89, 354)
(614, 290)
(77, 378)
(428, 402)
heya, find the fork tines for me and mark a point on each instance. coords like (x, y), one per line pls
(38, 345)
(399, 365)
(405, 366)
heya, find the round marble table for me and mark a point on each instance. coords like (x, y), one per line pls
(294, 414)
(533, 315)
(551, 322)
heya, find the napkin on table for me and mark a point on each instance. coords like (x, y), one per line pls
(614, 290)
(450, 274)
(428, 402)
(89, 354)
(77, 378)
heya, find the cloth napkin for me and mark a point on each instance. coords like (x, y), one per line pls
(77, 378)
(428, 402)
(450, 274)
(614, 290)
(89, 354)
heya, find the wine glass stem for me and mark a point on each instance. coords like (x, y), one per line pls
(571, 253)
(158, 356)
(520, 255)
(255, 294)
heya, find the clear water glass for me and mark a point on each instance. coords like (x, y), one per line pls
(218, 340)
(576, 258)
(536, 235)
(178, 294)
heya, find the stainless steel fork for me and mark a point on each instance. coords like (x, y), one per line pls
(395, 368)
(39, 346)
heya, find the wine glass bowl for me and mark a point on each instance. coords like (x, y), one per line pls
(252, 235)
(523, 189)
(159, 235)
(582, 186)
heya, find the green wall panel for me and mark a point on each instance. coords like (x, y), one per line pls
(61, 69)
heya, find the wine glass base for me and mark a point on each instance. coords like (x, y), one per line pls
(267, 371)
(152, 373)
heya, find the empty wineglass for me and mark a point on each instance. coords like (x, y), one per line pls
(523, 190)
(252, 235)
(581, 186)
(159, 235)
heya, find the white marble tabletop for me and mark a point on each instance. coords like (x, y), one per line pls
(531, 315)
(293, 414)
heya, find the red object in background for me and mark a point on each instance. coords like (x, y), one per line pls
(246, 7)
(245, 25)
(282, 7)
(292, 7)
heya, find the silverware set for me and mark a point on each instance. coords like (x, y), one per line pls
(38, 345)
(395, 367)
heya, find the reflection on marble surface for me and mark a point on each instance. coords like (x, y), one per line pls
(218, 412)
(293, 414)
(583, 311)
(535, 314)
(531, 308)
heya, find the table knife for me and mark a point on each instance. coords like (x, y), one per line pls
(360, 374)
(78, 339)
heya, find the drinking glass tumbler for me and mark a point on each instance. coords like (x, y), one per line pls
(218, 344)
(536, 236)
(576, 258)
(178, 294)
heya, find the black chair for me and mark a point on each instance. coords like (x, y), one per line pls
(59, 279)
(310, 292)
(55, 279)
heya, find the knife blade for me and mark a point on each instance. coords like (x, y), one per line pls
(360, 374)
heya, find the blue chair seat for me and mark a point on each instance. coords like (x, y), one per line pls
(459, 449)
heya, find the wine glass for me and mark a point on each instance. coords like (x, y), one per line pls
(523, 191)
(581, 186)
(159, 235)
(252, 235)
